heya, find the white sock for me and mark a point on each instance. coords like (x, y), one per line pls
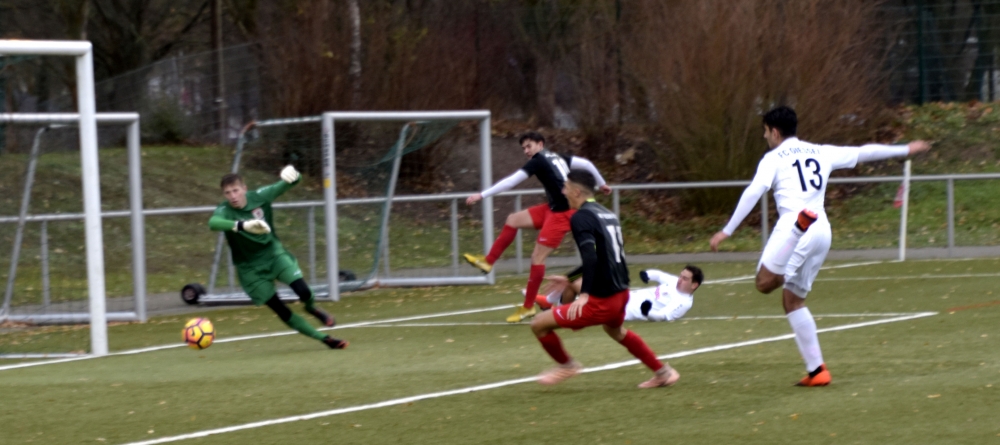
(554, 297)
(776, 258)
(805, 336)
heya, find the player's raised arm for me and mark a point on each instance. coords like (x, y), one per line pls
(877, 152)
(578, 163)
(289, 177)
(751, 196)
(656, 275)
(502, 186)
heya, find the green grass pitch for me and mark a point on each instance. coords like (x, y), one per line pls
(932, 379)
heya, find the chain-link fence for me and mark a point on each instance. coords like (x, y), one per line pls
(943, 50)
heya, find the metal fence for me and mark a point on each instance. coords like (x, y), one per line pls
(453, 200)
(943, 50)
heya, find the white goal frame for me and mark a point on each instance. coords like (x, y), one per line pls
(82, 51)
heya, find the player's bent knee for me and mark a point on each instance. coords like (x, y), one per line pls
(301, 288)
(544, 323)
(618, 333)
(767, 282)
(279, 308)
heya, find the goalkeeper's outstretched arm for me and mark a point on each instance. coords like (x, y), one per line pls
(289, 177)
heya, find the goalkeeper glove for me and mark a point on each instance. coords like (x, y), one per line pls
(645, 307)
(254, 226)
(644, 277)
(289, 174)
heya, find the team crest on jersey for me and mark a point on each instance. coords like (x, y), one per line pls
(258, 213)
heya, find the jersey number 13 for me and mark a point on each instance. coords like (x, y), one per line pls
(810, 164)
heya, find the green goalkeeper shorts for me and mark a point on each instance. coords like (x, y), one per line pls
(258, 279)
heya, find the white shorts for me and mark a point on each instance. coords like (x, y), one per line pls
(809, 254)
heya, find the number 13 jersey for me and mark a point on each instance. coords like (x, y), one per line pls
(798, 172)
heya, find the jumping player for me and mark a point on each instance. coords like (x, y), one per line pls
(604, 290)
(552, 219)
(798, 172)
(246, 219)
(668, 301)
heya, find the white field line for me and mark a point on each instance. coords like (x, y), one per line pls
(713, 318)
(41, 355)
(477, 388)
(883, 278)
(751, 277)
(258, 336)
(277, 334)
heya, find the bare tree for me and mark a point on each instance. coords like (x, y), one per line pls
(355, 70)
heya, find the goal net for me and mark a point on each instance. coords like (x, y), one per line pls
(43, 264)
(386, 235)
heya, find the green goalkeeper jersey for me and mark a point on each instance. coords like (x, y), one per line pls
(247, 248)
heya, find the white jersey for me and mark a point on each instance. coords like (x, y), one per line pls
(798, 172)
(669, 304)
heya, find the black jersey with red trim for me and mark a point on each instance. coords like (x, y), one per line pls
(551, 169)
(598, 235)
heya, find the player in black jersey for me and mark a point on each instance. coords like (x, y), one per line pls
(551, 219)
(604, 292)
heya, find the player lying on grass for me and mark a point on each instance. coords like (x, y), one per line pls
(246, 219)
(667, 302)
(798, 173)
(551, 219)
(603, 292)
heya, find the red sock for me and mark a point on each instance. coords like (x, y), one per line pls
(543, 302)
(554, 347)
(503, 241)
(534, 282)
(633, 342)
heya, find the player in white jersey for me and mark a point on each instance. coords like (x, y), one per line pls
(668, 301)
(798, 172)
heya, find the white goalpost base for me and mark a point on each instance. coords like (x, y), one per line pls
(83, 52)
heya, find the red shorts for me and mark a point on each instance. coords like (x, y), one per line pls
(552, 226)
(608, 311)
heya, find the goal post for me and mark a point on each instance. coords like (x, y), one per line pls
(50, 122)
(330, 186)
(87, 109)
(375, 158)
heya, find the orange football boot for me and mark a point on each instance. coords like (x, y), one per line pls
(822, 378)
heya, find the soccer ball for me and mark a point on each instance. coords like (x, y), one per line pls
(199, 333)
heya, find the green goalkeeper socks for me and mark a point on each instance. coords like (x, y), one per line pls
(300, 324)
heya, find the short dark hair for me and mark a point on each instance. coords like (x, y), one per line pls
(583, 178)
(230, 178)
(697, 276)
(533, 135)
(782, 118)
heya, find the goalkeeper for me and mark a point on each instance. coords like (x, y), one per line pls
(246, 219)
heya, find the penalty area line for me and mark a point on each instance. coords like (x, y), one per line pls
(470, 389)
